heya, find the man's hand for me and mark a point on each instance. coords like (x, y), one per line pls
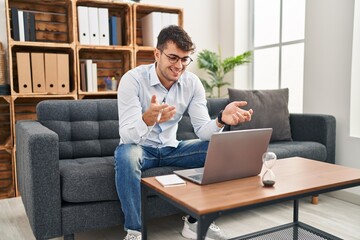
(158, 112)
(233, 114)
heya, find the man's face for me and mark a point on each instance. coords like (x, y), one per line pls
(171, 63)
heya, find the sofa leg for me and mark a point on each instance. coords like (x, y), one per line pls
(69, 237)
(315, 199)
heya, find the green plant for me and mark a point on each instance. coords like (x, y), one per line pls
(218, 68)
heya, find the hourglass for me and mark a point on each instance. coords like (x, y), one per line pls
(269, 159)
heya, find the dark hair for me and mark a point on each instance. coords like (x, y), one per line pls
(176, 35)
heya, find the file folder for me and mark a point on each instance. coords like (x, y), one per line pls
(51, 73)
(38, 72)
(63, 73)
(24, 72)
(83, 23)
(94, 25)
(103, 14)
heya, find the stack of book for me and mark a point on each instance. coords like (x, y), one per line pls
(88, 75)
(23, 25)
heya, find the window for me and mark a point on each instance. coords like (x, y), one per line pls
(355, 76)
(278, 44)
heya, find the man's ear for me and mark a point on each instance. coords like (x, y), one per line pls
(157, 54)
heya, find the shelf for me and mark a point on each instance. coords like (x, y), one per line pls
(141, 10)
(117, 9)
(7, 180)
(109, 64)
(14, 79)
(52, 19)
(5, 122)
(144, 56)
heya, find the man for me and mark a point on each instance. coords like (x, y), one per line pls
(151, 100)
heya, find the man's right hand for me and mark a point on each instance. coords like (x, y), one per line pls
(162, 110)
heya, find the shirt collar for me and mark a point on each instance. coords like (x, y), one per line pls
(154, 79)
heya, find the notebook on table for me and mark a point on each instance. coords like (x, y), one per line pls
(231, 155)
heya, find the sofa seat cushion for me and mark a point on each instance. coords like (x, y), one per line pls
(93, 179)
(88, 179)
(286, 149)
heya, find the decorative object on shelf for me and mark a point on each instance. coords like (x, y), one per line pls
(217, 68)
(268, 178)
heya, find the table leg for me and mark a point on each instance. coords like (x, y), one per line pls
(296, 211)
(144, 193)
(204, 224)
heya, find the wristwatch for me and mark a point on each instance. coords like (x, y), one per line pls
(219, 117)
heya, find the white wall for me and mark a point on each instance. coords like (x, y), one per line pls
(327, 76)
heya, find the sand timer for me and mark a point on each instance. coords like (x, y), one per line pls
(269, 159)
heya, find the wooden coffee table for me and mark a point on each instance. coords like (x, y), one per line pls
(295, 178)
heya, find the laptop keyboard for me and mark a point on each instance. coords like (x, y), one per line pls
(196, 177)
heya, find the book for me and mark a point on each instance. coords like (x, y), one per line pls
(21, 25)
(89, 77)
(170, 180)
(15, 24)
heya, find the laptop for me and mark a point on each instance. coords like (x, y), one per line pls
(231, 155)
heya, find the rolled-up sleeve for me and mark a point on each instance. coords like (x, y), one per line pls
(131, 126)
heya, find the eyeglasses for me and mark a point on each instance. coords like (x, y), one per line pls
(174, 59)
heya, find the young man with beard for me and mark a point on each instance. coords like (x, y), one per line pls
(151, 101)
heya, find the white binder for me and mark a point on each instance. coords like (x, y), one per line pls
(83, 23)
(94, 25)
(104, 26)
(151, 27)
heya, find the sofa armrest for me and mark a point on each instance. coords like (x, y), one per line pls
(315, 127)
(37, 163)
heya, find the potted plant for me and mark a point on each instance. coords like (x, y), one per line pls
(217, 68)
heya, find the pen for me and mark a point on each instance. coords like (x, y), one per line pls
(159, 115)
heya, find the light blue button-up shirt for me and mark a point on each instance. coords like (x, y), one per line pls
(134, 97)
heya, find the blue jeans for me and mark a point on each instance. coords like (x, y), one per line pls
(132, 159)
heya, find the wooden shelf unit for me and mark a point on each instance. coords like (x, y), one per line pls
(55, 30)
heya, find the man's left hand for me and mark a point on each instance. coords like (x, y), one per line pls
(233, 114)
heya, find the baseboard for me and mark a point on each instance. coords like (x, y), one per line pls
(345, 196)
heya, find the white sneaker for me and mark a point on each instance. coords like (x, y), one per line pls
(133, 235)
(190, 231)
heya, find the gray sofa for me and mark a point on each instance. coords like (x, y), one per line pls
(65, 165)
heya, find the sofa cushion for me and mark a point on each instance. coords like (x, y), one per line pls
(88, 179)
(286, 149)
(93, 179)
(270, 111)
(86, 128)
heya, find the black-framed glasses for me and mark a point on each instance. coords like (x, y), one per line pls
(175, 58)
